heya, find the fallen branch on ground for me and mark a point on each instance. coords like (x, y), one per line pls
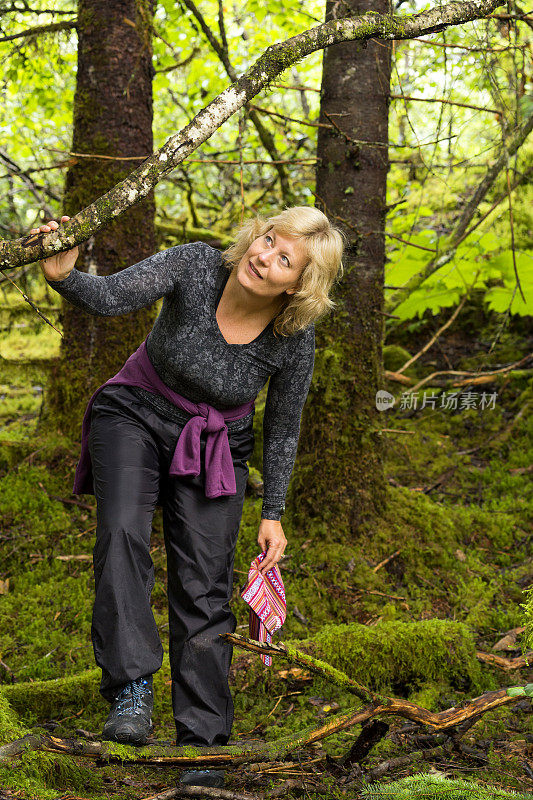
(248, 752)
(507, 664)
(464, 377)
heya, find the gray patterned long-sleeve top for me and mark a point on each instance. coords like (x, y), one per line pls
(192, 357)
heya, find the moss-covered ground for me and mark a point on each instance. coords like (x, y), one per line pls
(403, 608)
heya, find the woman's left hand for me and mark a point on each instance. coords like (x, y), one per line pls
(272, 539)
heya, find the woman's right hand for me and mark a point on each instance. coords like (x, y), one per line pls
(59, 267)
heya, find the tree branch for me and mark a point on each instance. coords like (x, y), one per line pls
(222, 51)
(51, 28)
(268, 66)
(37, 191)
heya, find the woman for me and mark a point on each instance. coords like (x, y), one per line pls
(229, 321)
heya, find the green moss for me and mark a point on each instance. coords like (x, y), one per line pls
(11, 727)
(527, 642)
(395, 356)
(462, 561)
(40, 774)
(401, 655)
(40, 700)
(37, 774)
(123, 752)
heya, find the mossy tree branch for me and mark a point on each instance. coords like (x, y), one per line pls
(268, 66)
(278, 750)
(380, 704)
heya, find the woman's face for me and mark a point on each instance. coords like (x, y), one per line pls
(279, 261)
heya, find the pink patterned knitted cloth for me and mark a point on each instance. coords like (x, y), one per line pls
(265, 594)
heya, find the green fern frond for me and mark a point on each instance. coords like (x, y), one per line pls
(437, 787)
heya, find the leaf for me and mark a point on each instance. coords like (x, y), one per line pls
(516, 691)
(498, 299)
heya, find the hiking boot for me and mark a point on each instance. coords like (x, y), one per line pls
(130, 718)
(203, 777)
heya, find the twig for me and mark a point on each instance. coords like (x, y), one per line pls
(469, 377)
(507, 664)
(382, 594)
(403, 761)
(445, 101)
(395, 430)
(511, 225)
(80, 557)
(31, 303)
(310, 160)
(386, 560)
(8, 670)
(201, 791)
(67, 500)
(435, 336)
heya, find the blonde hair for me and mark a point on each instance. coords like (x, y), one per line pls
(325, 246)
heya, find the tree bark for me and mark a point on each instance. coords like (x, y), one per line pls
(345, 485)
(112, 116)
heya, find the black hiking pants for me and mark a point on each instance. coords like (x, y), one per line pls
(131, 448)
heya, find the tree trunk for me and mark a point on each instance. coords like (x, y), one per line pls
(112, 117)
(339, 477)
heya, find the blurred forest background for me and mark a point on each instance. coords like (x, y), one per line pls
(409, 516)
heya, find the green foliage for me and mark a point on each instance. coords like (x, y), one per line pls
(481, 266)
(521, 691)
(462, 563)
(435, 787)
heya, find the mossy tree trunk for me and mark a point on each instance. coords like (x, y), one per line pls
(339, 475)
(112, 117)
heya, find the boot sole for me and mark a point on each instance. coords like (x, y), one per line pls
(137, 741)
(215, 781)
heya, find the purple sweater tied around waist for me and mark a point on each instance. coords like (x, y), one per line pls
(219, 471)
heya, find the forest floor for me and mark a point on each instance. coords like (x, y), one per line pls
(407, 609)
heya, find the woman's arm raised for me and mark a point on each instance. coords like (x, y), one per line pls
(130, 289)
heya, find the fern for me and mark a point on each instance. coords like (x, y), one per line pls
(437, 787)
